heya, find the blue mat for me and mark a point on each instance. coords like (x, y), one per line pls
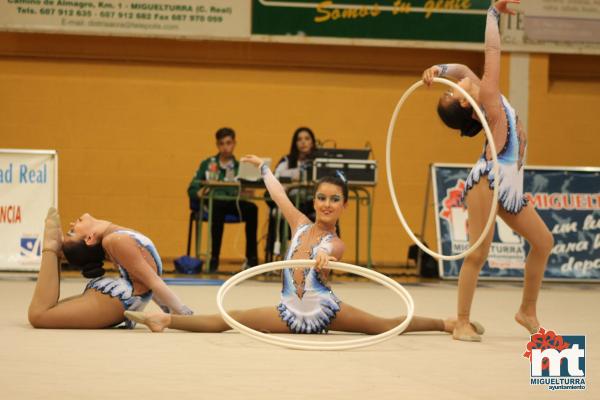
(193, 282)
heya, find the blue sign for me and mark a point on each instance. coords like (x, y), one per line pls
(567, 200)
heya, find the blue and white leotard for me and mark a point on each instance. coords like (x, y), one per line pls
(313, 311)
(122, 288)
(511, 162)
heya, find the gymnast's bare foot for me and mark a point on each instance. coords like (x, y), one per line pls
(450, 325)
(53, 237)
(529, 322)
(466, 331)
(156, 322)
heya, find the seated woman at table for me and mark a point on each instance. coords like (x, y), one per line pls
(292, 167)
(86, 245)
(308, 305)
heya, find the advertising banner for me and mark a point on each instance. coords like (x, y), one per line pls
(152, 18)
(568, 201)
(406, 20)
(28, 187)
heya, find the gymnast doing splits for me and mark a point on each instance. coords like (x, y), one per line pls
(308, 305)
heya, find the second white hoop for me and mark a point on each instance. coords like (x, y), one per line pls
(316, 345)
(388, 163)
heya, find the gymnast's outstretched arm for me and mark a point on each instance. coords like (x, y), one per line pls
(124, 250)
(292, 215)
(491, 75)
(454, 71)
(490, 82)
(489, 95)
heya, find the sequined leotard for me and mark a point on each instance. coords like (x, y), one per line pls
(511, 159)
(312, 307)
(122, 288)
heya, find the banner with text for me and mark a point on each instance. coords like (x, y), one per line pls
(154, 18)
(568, 201)
(27, 190)
(408, 20)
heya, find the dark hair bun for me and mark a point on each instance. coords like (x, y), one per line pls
(457, 117)
(87, 259)
(92, 270)
(472, 128)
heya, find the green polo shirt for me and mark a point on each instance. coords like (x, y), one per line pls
(200, 175)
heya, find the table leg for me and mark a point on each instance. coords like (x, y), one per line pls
(369, 227)
(199, 228)
(357, 234)
(282, 242)
(209, 228)
(363, 196)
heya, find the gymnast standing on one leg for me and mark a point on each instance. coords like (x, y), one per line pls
(101, 305)
(307, 304)
(509, 136)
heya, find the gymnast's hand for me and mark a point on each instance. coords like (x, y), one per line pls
(322, 260)
(502, 6)
(430, 73)
(53, 237)
(252, 159)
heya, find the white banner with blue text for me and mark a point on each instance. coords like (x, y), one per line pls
(28, 187)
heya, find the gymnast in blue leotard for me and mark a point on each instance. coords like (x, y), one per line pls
(510, 140)
(87, 243)
(308, 304)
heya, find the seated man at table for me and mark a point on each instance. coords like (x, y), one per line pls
(224, 167)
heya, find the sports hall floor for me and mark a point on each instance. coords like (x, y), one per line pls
(115, 363)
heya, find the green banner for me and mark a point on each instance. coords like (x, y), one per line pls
(415, 20)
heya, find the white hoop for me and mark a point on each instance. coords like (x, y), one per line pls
(316, 345)
(488, 133)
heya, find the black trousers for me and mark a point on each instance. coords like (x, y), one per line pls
(249, 215)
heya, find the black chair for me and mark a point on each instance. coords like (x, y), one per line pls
(194, 214)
